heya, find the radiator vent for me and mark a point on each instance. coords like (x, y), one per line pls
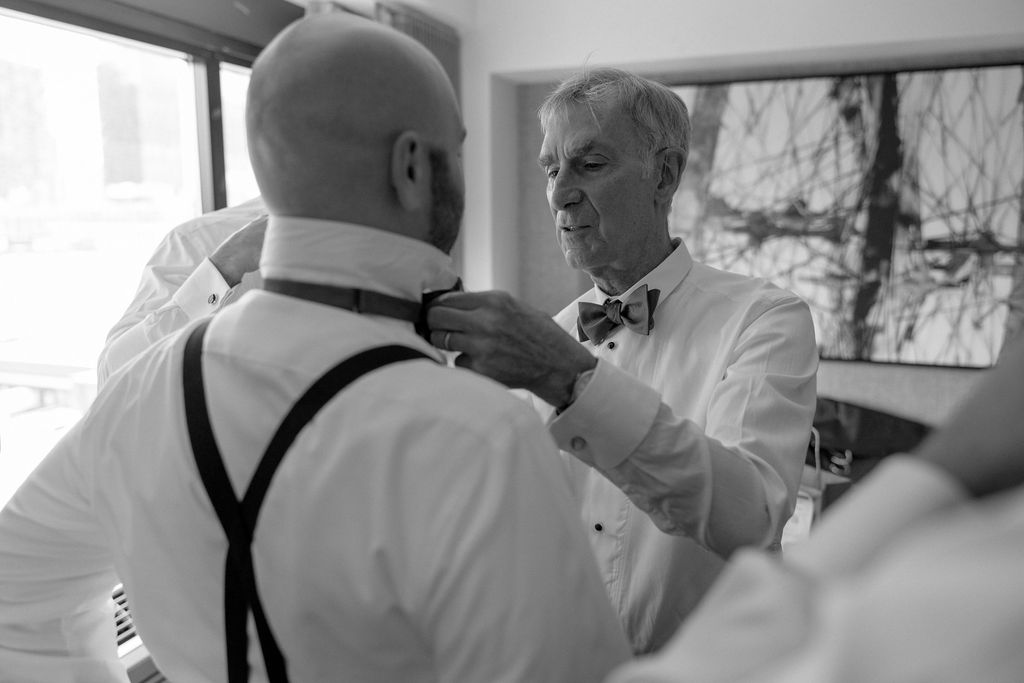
(123, 617)
(132, 652)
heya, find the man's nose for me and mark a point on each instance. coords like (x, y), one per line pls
(563, 190)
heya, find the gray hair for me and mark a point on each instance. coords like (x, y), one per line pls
(660, 116)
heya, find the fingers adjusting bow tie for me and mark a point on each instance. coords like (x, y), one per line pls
(597, 321)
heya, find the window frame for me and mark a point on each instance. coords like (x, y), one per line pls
(206, 49)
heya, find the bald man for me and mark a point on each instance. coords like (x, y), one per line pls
(418, 528)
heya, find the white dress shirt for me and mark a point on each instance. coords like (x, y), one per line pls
(689, 443)
(179, 284)
(419, 529)
(904, 580)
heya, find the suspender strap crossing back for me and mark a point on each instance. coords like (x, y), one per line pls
(238, 517)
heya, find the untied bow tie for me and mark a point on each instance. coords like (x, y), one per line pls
(597, 321)
(362, 300)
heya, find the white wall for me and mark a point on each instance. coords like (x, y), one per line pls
(506, 42)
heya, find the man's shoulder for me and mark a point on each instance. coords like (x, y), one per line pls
(744, 289)
(139, 389)
(151, 360)
(453, 394)
(214, 227)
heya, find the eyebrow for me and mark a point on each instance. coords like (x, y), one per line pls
(583, 149)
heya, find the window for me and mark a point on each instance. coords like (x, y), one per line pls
(241, 184)
(99, 158)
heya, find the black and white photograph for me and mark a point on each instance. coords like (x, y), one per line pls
(518, 341)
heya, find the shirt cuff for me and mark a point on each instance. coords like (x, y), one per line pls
(902, 491)
(608, 420)
(202, 292)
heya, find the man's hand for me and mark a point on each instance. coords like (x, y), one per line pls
(509, 342)
(240, 252)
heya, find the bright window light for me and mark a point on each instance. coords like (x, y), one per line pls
(98, 160)
(241, 184)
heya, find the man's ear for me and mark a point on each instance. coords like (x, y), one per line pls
(669, 165)
(410, 171)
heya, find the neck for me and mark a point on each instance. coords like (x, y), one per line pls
(616, 279)
(347, 255)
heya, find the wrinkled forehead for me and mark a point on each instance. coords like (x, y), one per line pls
(561, 112)
(578, 129)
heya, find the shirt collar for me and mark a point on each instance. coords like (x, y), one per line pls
(351, 255)
(665, 277)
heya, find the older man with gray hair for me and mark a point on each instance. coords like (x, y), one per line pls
(681, 396)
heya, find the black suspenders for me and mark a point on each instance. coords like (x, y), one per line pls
(238, 517)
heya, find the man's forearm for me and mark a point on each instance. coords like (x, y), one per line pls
(202, 290)
(687, 482)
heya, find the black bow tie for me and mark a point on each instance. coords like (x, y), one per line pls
(597, 321)
(362, 300)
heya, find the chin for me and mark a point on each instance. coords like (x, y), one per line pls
(578, 261)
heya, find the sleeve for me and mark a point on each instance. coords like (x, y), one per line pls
(733, 483)
(903, 491)
(509, 592)
(901, 569)
(757, 614)
(179, 284)
(56, 578)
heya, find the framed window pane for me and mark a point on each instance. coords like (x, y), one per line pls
(98, 160)
(239, 180)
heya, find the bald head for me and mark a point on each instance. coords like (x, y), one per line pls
(346, 120)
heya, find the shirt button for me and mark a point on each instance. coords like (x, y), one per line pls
(599, 527)
(611, 345)
(578, 443)
(212, 299)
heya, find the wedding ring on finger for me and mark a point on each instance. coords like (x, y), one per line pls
(445, 339)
